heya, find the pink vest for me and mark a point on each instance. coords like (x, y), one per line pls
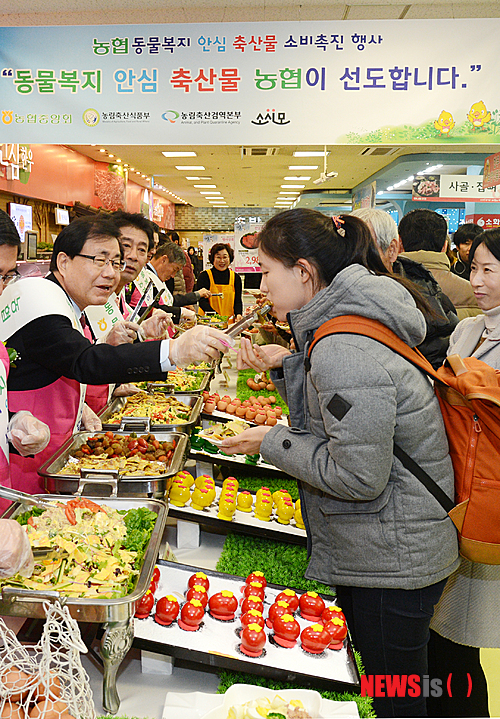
(57, 405)
(4, 463)
(96, 395)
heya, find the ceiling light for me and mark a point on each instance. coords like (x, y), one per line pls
(390, 188)
(132, 169)
(101, 150)
(209, 192)
(189, 167)
(303, 167)
(296, 178)
(110, 155)
(193, 177)
(204, 185)
(310, 153)
(176, 153)
(291, 187)
(290, 192)
(125, 164)
(118, 159)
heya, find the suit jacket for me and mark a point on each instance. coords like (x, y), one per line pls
(51, 348)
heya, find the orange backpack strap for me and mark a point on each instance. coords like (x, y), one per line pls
(357, 325)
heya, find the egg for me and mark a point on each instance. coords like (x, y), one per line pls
(18, 682)
(12, 711)
(48, 710)
(46, 692)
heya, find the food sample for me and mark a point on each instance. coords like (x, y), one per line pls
(298, 516)
(286, 630)
(278, 708)
(218, 432)
(285, 510)
(199, 578)
(290, 597)
(223, 605)
(253, 616)
(99, 550)
(167, 609)
(315, 639)
(244, 501)
(278, 609)
(192, 614)
(197, 591)
(257, 589)
(253, 601)
(162, 408)
(311, 606)
(253, 639)
(337, 629)
(330, 612)
(179, 494)
(155, 578)
(256, 577)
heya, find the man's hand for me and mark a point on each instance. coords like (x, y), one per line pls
(122, 332)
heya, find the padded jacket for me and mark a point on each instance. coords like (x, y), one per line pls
(369, 522)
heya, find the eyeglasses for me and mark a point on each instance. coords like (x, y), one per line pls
(9, 276)
(102, 261)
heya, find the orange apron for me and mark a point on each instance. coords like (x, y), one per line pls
(222, 305)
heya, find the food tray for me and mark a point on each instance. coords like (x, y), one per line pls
(29, 603)
(216, 643)
(242, 522)
(168, 387)
(144, 424)
(70, 484)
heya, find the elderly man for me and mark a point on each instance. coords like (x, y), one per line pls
(439, 328)
(424, 234)
(56, 360)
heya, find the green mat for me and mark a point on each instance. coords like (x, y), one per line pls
(243, 391)
(283, 564)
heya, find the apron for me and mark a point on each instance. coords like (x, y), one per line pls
(59, 404)
(4, 421)
(222, 305)
(101, 319)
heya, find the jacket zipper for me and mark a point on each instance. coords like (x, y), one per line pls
(471, 454)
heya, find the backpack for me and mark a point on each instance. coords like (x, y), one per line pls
(468, 391)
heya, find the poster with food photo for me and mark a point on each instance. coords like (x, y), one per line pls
(425, 187)
(245, 246)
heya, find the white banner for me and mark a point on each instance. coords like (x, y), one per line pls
(265, 83)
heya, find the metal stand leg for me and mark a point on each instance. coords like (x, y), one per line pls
(116, 641)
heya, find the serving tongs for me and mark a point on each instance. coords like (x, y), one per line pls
(256, 315)
(14, 495)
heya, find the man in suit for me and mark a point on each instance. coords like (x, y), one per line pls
(56, 358)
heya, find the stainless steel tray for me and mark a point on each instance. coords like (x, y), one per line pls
(144, 424)
(29, 603)
(121, 486)
(207, 375)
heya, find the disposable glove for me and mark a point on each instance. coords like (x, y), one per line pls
(187, 314)
(199, 344)
(90, 421)
(15, 550)
(122, 332)
(27, 433)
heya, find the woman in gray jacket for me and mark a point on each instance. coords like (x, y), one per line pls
(373, 530)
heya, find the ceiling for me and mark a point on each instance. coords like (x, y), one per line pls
(245, 180)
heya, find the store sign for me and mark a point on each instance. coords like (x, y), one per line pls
(452, 188)
(246, 257)
(16, 160)
(487, 222)
(491, 176)
(365, 196)
(261, 83)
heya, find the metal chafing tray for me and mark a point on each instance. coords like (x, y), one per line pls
(144, 424)
(115, 614)
(156, 486)
(166, 386)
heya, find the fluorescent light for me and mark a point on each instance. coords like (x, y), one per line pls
(189, 167)
(292, 187)
(290, 192)
(211, 197)
(296, 178)
(309, 153)
(195, 177)
(210, 192)
(110, 155)
(390, 188)
(204, 185)
(176, 153)
(303, 167)
(101, 150)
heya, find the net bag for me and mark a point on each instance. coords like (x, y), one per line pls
(47, 680)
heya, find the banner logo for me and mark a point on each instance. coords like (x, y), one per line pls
(91, 117)
(171, 116)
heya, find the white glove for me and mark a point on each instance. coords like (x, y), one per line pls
(90, 421)
(187, 314)
(199, 344)
(27, 433)
(156, 326)
(15, 550)
(125, 390)
(122, 332)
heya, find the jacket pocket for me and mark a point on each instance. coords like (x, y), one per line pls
(364, 538)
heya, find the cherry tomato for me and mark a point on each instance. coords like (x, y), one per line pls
(198, 592)
(253, 638)
(253, 616)
(142, 442)
(256, 577)
(311, 606)
(277, 610)
(162, 458)
(337, 630)
(143, 450)
(192, 614)
(109, 435)
(199, 578)
(286, 630)
(167, 609)
(223, 605)
(290, 597)
(252, 602)
(156, 575)
(315, 639)
(134, 451)
(132, 444)
(144, 606)
(255, 588)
